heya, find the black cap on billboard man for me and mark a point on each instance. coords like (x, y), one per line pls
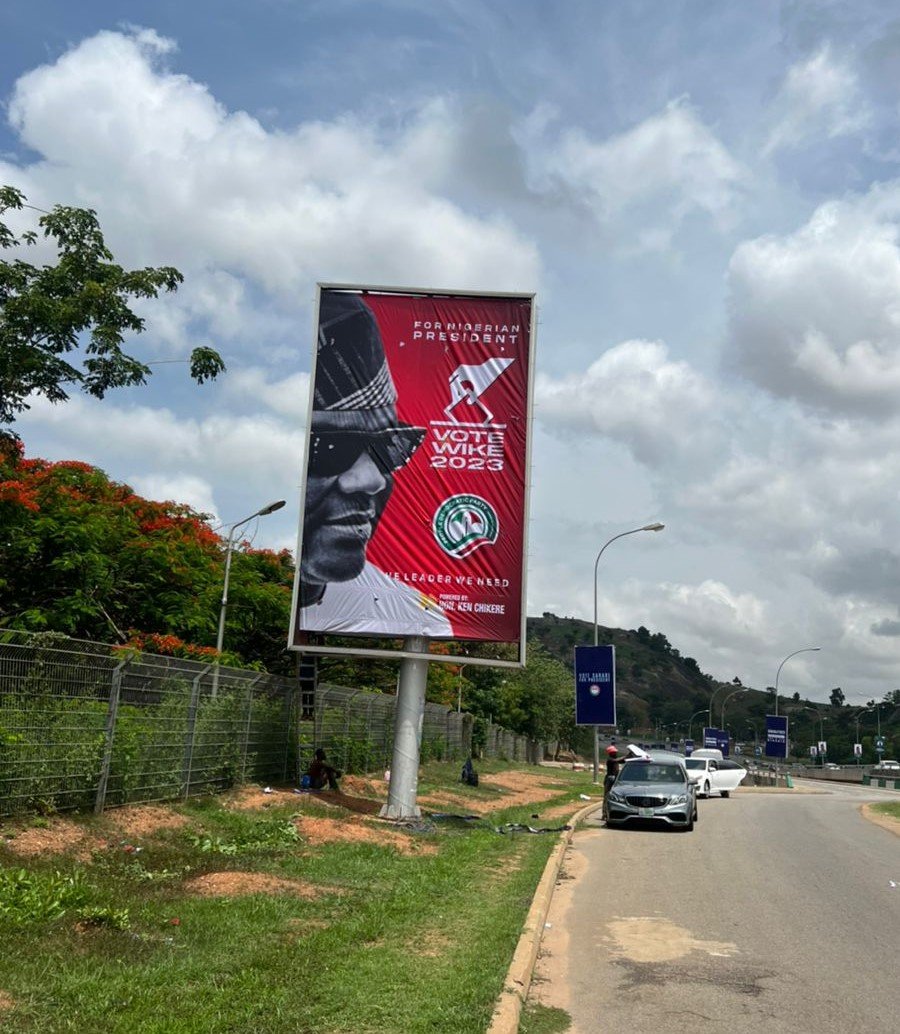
(356, 446)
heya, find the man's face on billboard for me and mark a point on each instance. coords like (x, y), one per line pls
(353, 456)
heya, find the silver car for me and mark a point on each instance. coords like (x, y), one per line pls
(652, 788)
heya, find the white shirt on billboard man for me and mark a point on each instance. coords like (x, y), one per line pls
(356, 446)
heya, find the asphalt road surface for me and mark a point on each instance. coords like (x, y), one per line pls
(780, 912)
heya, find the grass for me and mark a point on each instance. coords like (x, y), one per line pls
(891, 808)
(544, 1019)
(392, 942)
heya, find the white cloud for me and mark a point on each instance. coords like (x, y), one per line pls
(253, 453)
(815, 314)
(649, 177)
(636, 394)
(178, 178)
(194, 491)
(288, 397)
(820, 97)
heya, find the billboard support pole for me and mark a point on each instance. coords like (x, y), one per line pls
(401, 803)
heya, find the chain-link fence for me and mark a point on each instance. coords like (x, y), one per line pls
(85, 725)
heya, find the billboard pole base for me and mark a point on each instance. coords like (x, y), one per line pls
(410, 713)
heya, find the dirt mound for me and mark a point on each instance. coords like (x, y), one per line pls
(141, 820)
(249, 797)
(7, 1002)
(325, 831)
(60, 836)
(515, 788)
(238, 884)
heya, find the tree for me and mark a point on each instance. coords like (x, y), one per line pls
(83, 555)
(47, 312)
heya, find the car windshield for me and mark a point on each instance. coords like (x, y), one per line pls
(644, 772)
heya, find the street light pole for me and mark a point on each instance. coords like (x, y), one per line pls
(223, 607)
(822, 721)
(725, 701)
(647, 527)
(696, 714)
(806, 649)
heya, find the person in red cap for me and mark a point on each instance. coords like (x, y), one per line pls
(614, 761)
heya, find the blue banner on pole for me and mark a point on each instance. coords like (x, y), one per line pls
(776, 736)
(595, 685)
(688, 748)
(716, 739)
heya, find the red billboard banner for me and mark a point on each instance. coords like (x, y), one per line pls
(415, 491)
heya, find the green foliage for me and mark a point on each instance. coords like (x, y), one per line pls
(46, 310)
(35, 897)
(85, 556)
(52, 744)
(445, 922)
(263, 835)
(103, 915)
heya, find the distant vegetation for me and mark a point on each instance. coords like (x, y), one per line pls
(85, 556)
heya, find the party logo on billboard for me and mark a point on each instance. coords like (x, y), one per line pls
(464, 523)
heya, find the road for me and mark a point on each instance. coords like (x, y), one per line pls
(777, 913)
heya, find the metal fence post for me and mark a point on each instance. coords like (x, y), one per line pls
(245, 738)
(115, 690)
(189, 732)
(292, 736)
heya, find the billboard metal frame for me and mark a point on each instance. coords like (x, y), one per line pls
(400, 654)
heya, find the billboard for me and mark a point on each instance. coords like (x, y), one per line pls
(414, 503)
(776, 736)
(595, 685)
(716, 739)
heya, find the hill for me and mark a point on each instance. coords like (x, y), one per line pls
(655, 684)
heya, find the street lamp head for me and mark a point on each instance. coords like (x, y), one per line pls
(653, 527)
(271, 508)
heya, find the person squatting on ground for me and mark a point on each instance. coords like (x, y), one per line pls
(320, 773)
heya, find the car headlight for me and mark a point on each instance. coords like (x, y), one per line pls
(615, 798)
(680, 798)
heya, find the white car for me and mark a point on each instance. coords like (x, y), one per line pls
(888, 766)
(713, 775)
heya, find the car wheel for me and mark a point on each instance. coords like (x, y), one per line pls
(725, 793)
(696, 812)
(706, 789)
(688, 828)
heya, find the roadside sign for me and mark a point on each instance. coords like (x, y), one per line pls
(857, 750)
(595, 685)
(813, 751)
(776, 736)
(823, 748)
(879, 744)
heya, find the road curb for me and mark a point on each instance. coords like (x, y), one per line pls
(508, 1009)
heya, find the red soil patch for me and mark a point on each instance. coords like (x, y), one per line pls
(7, 1002)
(519, 788)
(249, 797)
(324, 831)
(141, 820)
(237, 884)
(61, 836)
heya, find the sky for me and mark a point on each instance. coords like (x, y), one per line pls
(705, 199)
